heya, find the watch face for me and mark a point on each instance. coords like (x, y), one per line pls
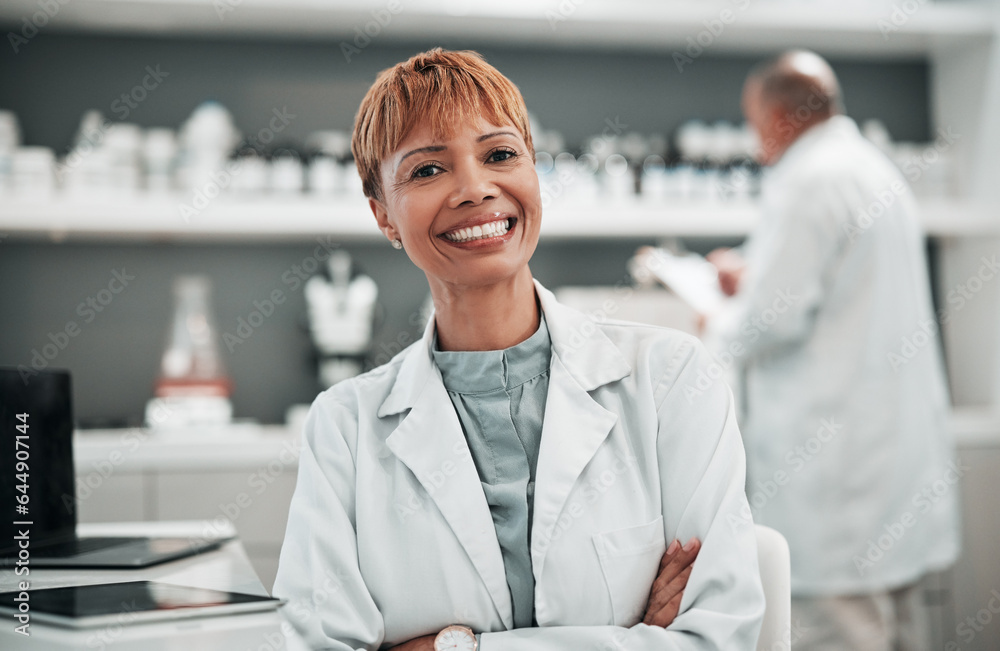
(455, 638)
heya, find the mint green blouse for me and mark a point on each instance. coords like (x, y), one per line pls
(499, 396)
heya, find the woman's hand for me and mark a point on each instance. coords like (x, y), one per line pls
(664, 596)
(425, 643)
(668, 588)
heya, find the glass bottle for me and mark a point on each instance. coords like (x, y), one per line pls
(192, 365)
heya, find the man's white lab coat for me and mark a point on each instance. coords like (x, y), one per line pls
(390, 537)
(848, 452)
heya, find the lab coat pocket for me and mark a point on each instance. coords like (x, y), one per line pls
(630, 558)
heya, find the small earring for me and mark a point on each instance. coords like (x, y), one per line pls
(396, 244)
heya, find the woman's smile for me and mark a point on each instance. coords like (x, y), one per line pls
(489, 230)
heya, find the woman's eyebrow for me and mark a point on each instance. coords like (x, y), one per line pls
(487, 136)
(420, 150)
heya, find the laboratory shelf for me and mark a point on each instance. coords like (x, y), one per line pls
(301, 218)
(141, 218)
(881, 28)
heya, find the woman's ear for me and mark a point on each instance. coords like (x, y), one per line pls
(382, 219)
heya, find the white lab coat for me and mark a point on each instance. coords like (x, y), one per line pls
(845, 395)
(390, 537)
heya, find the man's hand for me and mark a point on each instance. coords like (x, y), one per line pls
(425, 643)
(730, 266)
(668, 588)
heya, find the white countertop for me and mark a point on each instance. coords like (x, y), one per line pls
(254, 446)
(226, 568)
(137, 449)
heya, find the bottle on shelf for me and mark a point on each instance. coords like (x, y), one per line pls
(159, 152)
(10, 140)
(285, 172)
(193, 386)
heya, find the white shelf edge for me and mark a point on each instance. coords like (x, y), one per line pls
(828, 27)
(298, 218)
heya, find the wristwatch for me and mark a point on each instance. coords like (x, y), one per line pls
(456, 638)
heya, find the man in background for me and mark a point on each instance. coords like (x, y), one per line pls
(848, 453)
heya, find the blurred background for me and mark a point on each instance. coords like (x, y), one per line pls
(170, 163)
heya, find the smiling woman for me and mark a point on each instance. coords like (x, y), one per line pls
(443, 146)
(512, 480)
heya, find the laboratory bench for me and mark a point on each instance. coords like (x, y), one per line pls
(241, 476)
(226, 568)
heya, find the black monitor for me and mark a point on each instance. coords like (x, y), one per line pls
(36, 405)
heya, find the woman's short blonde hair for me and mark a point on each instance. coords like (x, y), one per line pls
(445, 87)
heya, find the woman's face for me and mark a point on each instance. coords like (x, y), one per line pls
(466, 207)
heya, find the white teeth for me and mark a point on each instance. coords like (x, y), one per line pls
(483, 231)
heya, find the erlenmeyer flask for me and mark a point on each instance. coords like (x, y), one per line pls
(193, 380)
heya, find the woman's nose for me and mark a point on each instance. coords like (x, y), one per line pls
(473, 185)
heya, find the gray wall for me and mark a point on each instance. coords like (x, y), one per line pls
(115, 356)
(54, 80)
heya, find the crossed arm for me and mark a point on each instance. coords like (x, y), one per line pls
(664, 595)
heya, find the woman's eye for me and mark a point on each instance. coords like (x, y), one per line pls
(501, 155)
(426, 171)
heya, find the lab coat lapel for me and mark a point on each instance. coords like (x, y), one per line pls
(575, 425)
(573, 429)
(430, 442)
